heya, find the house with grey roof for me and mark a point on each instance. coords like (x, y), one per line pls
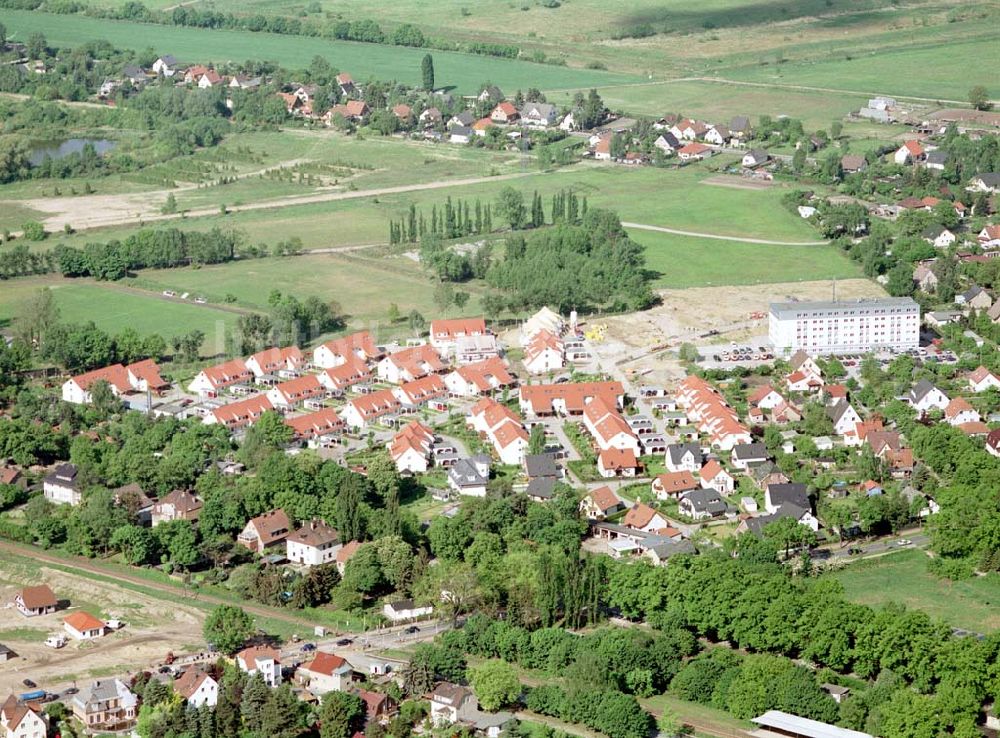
(470, 476)
(702, 504)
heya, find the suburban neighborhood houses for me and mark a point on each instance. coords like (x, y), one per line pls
(499, 370)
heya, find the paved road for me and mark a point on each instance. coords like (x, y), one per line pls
(717, 237)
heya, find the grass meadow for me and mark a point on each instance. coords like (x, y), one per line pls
(461, 72)
(681, 261)
(113, 309)
(903, 577)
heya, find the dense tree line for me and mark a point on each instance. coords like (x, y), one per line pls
(594, 264)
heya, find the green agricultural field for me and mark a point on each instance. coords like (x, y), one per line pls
(462, 72)
(364, 285)
(113, 308)
(903, 578)
(680, 261)
(936, 71)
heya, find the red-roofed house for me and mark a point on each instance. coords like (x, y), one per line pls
(601, 503)
(287, 395)
(714, 476)
(989, 237)
(602, 147)
(480, 378)
(38, 600)
(694, 152)
(673, 484)
(83, 626)
(326, 672)
(144, 376)
(261, 660)
(909, 152)
(421, 391)
(504, 112)
(615, 462)
(959, 412)
(444, 333)
(607, 426)
(209, 382)
(410, 449)
(22, 719)
(409, 364)
(339, 379)
(318, 425)
(139, 377)
(264, 531)
(983, 379)
(178, 505)
(569, 398)
(197, 687)
(239, 414)
(275, 361)
(765, 397)
(361, 411)
(544, 352)
(642, 517)
(360, 345)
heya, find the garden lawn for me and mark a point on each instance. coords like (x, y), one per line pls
(903, 577)
(113, 309)
(682, 261)
(461, 72)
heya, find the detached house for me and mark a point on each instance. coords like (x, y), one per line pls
(642, 517)
(755, 158)
(261, 660)
(504, 113)
(989, 237)
(410, 449)
(959, 412)
(982, 379)
(326, 672)
(265, 531)
(674, 484)
(844, 417)
(748, 454)
(38, 600)
(925, 397)
(909, 153)
(713, 476)
(601, 503)
(702, 504)
(617, 462)
(22, 719)
(694, 152)
(106, 706)
(178, 505)
(197, 687)
(315, 428)
(939, 236)
(61, 486)
(539, 114)
(83, 626)
(314, 544)
(683, 457)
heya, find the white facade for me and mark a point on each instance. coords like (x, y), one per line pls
(29, 724)
(845, 327)
(310, 555)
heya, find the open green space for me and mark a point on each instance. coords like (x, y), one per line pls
(463, 72)
(903, 577)
(112, 309)
(937, 71)
(364, 285)
(682, 261)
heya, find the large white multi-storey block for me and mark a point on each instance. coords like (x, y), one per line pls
(845, 327)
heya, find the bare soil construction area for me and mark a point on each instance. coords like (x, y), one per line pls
(637, 342)
(152, 627)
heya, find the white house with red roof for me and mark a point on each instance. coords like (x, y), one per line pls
(276, 361)
(958, 412)
(364, 410)
(480, 378)
(504, 112)
(239, 414)
(694, 152)
(409, 364)
(197, 687)
(983, 379)
(544, 352)
(420, 392)
(502, 427)
(642, 517)
(314, 544)
(617, 462)
(338, 379)
(569, 398)
(22, 719)
(601, 503)
(510, 441)
(294, 392)
(989, 237)
(266, 530)
(141, 376)
(705, 406)
(410, 449)
(911, 151)
(211, 381)
(445, 333)
(673, 484)
(714, 476)
(359, 345)
(765, 397)
(83, 626)
(315, 427)
(608, 428)
(261, 660)
(327, 672)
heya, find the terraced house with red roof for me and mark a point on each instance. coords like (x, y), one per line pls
(141, 376)
(444, 333)
(567, 399)
(338, 379)
(358, 345)
(294, 392)
(410, 449)
(608, 428)
(313, 427)
(211, 381)
(480, 378)
(364, 410)
(409, 364)
(276, 361)
(239, 414)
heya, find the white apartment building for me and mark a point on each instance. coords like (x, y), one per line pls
(845, 327)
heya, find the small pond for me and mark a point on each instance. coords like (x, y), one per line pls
(59, 149)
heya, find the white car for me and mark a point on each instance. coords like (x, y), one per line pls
(169, 293)
(904, 542)
(200, 300)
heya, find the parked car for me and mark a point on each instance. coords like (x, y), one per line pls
(344, 642)
(411, 630)
(28, 683)
(308, 646)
